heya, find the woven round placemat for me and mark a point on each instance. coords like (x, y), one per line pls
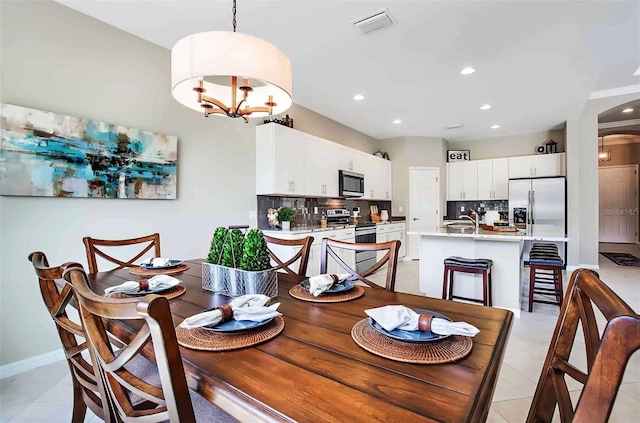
(202, 339)
(142, 271)
(302, 294)
(446, 350)
(174, 292)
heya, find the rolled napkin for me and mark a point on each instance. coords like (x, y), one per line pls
(157, 262)
(247, 307)
(320, 283)
(400, 317)
(158, 282)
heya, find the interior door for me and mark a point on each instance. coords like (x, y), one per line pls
(424, 204)
(618, 204)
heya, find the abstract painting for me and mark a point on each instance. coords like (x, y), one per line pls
(52, 155)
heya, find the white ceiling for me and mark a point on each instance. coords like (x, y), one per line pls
(537, 62)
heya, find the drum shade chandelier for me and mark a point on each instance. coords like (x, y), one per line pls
(230, 74)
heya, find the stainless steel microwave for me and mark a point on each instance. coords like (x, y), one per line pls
(351, 184)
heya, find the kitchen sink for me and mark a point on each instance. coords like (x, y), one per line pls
(460, 228)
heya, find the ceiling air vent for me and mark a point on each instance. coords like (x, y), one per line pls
(378, 20)
(454, 126)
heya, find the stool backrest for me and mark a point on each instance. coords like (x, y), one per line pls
(607, 356)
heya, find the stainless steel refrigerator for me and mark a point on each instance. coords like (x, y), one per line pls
(539, 205)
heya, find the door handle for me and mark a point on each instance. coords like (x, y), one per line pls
(416, 218)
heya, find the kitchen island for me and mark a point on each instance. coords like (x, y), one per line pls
(504, 248)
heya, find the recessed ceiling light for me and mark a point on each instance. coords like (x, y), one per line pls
(397, 121)
(358, 97)
(485, 107)
(627, 110)
(467, 71)
(495, 126)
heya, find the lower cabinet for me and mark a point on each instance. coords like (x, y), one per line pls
(391, 232)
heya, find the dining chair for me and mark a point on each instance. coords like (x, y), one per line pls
(301, 256)
(606, 356)
(57, 295)
(129, 396)
(94, 248)
(330, 249)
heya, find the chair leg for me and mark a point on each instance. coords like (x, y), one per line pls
(560, 294)
(450, 296)
(485, 288)
(532, 281)
(79, 406)
(444, 282)
(490, 290)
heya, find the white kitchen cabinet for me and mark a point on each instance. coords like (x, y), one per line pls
(391, 232)
(279, 160)
(537, 166)
(321, 173)
(290, 162)
(462, 181)
(377, 178)
(493, 179)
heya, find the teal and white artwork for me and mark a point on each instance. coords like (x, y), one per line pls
(47, 154)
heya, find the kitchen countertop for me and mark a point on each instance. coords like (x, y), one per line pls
(532, 234)
(308, 229)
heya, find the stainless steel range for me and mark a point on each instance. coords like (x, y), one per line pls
(365, 234)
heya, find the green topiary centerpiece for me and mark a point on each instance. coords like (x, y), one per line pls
(239, 264)
(255, 256)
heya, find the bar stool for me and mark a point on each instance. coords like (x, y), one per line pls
(465, 265)
(545, 269)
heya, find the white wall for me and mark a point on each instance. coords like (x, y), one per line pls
(58, 60)
(406, 152)
(582, 180)
(509, 145)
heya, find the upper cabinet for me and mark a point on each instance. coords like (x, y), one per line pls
(462, 181)
(279, 156)
(320, 172)
(493, 179)
(537, 166)
(291, 162)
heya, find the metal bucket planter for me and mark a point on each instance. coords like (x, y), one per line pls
(236, 282)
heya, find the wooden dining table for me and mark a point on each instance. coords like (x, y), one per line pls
(314, 371)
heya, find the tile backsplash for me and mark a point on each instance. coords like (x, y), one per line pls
(457, 208)
(305, 208)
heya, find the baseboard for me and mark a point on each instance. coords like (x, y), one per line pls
(31, 363)
(583, 266)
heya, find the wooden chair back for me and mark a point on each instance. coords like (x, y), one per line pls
(330, 249)
(169, 401)
(95, 247)
(302, 256)
(607, 356)
(57, 295)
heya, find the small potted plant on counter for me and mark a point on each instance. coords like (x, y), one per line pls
(286, 216)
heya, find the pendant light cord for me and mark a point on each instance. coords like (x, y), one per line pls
(234, 15)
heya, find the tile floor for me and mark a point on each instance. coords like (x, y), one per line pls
(44, 394)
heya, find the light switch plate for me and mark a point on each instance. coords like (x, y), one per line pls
(253, 214)
(400, 209)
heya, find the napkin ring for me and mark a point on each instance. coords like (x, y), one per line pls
(227, 313)
(143, 285)
(335, 278)
(424, 322)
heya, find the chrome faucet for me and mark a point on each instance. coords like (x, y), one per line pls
(475, 221)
